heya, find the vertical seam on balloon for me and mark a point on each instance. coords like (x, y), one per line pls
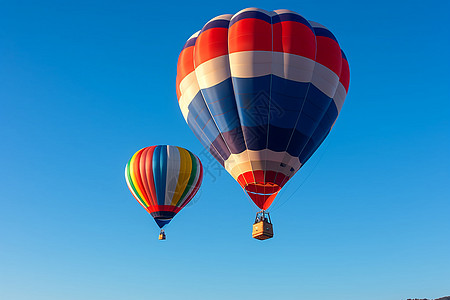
(133, 176)
(155, 163)
(196, 124)
(198, 182)
(324, 115)
(190, 188)
(184, 194)
(206, 137)
(150, 175)
(268, 111)
(187, 167)
(186, 187)
(180, 175)
(191, 179)
(242, 129)
(143, 174)
(200, 131)
(340, 83)
(196, 186)
(163, 172)
(172, 175)
(131, 185)
(136, 175)
(182, 178)
(156, 166)
(209, 110)
(301, 109)
(248, 156)
(168, 172)
(135, 186)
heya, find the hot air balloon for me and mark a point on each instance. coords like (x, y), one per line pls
(163, 179)
(261, 91)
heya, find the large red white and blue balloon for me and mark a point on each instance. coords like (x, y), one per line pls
(261, 90)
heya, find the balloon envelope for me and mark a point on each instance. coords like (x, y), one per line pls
(261, 90)
(163, 179)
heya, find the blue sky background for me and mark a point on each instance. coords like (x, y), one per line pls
(85, 84)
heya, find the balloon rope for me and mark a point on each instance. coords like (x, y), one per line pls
(304, 180)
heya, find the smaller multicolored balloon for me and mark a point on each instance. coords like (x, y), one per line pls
(163, 179)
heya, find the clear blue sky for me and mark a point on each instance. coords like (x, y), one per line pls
(85, 84)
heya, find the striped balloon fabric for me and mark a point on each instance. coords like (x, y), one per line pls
(163, 179)
(261, 90)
